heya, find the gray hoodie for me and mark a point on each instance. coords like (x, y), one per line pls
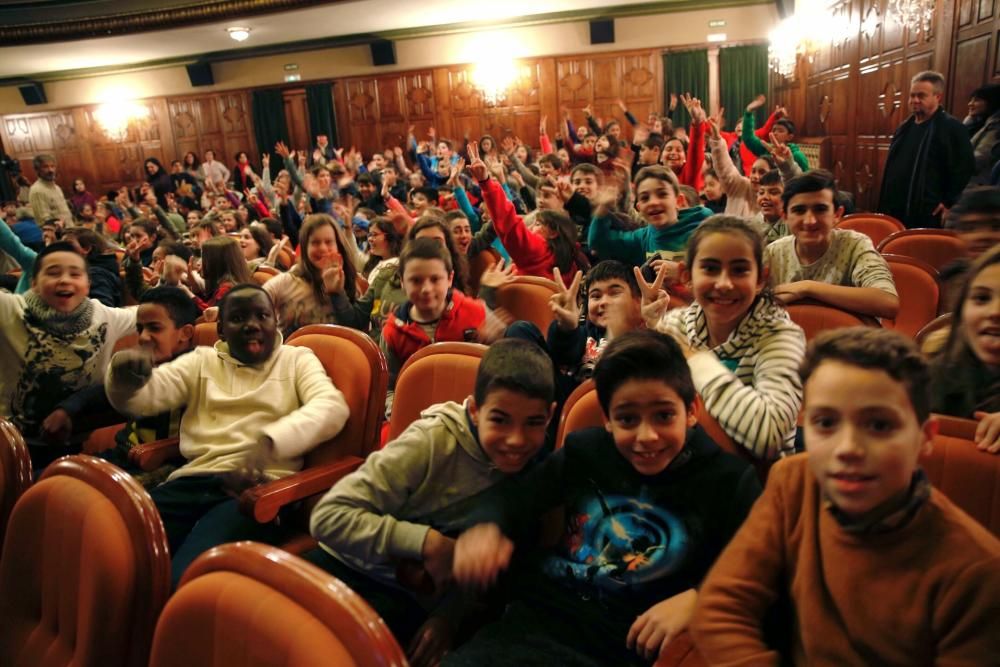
(424, 479)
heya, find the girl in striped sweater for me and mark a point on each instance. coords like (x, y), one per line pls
(743, 350)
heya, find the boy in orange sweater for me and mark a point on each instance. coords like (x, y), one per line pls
(880, 568)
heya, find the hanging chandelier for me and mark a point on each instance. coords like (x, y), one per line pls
(914, 15)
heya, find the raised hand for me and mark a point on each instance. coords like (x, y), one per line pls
(605, 200)
(781, 152)
(780, 112)
(496, 275)
(133, 366)
(621, 104)
(265, 160)
(655, 299)
(673, 102)
(696, 110)
(542, 131)
(713, 129)
(507, 145)
(565, 303)
(432, 133)
(281, 149)
(587, 111)
(640, 135)
(477, 167)
(496, 167)
(719, 117)
(456, 170)
(756, 103)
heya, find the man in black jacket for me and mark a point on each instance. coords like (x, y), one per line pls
(930, 159)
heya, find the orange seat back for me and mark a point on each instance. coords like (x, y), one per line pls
(816, 317)
(358, 369)
(264, 273)
(15, 471)
(249, 604)
(937, 247)
(527, 298)
(876, 226)
(919, 293)
(969, 477)
(434, 374)
(478, 266)
(932, 338)
(581, 410)
(85, 569)
(206, 333)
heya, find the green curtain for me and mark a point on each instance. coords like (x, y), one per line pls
(685, 72)
(742, 77)
(322, 118)
(269, 125)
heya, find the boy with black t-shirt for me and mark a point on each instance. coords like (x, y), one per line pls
(648, 502)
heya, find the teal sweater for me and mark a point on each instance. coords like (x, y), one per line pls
(636, 246)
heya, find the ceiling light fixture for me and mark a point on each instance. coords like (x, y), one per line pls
(239, 34)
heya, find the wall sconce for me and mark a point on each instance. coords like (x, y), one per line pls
(914, 15)
(114, 118)
(493, 77)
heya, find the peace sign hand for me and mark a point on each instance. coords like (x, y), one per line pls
(564, 303)
(655, 299)
(781, 152)
(479, 170)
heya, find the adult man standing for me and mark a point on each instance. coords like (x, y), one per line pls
(930, 159)
(46, 198)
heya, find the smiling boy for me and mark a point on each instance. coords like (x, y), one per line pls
(647, 503)
(252, 403)
(881, 569)
(412, 498)
(839, 267)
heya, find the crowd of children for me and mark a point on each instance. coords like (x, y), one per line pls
(672, 254)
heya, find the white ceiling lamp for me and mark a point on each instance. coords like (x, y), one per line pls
(239, 34)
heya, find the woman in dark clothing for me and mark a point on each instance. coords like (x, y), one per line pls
(159, 179)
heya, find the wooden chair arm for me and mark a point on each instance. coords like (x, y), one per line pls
(264, 501)
(152, 455)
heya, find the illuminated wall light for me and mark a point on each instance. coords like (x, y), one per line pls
(493, 77)
(717, 37)
(238, 33)
(115, 117)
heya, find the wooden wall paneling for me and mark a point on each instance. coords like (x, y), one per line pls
(296, 119)
(360, 101)
(236, 122)
(184, 117)
(972, 56)
(416, 107)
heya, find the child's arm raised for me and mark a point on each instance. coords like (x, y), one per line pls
(624, 245)
(734, 184)
(134, 387)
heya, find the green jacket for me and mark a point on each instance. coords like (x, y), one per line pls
(751, 141)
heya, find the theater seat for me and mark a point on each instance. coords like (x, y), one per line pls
(249, 605)
(937, 247)
(876, 226)
(478, 266)
(817, 317)
(206, 333)
(84, 572)
(434, 374)
(919, 293)
(969, 477)
(527, 298)
(15, 471)
(358, 369)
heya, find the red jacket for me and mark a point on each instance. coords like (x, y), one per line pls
(747, 158)
(691, 171)
(530, 253)
(460, 322)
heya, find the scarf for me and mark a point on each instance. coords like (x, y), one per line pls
(39, 315)
(889, 516)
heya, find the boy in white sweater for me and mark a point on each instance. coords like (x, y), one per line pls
(252, 404)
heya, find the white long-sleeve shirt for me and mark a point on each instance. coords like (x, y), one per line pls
(231, 405)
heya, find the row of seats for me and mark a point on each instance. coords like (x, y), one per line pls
(441, 372)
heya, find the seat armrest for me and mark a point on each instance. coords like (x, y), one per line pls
(264, 501)
(152, 455)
